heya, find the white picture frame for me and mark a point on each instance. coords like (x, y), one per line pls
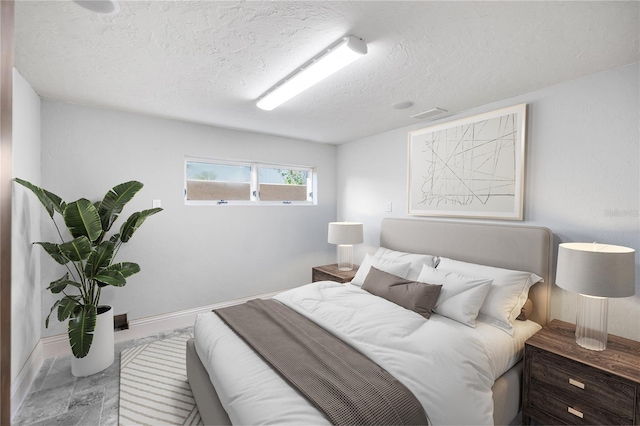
(469, 168)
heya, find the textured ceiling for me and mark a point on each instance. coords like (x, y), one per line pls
(208, 61)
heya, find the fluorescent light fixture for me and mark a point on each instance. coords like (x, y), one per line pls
(326, 63)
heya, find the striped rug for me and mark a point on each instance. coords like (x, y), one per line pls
(153, 385)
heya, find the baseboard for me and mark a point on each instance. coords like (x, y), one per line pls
(20, 386)
(58, 345)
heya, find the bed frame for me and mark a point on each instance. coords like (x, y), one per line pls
(523, 248)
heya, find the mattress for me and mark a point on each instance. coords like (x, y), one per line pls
(445, 364)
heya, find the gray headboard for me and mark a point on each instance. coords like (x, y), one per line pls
(523, 248)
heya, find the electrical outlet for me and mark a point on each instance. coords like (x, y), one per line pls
(389, 207)
(157, 203)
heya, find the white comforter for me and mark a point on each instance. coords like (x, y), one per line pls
(448, 366)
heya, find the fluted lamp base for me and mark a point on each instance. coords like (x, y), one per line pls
(591, 322)
(345, 257)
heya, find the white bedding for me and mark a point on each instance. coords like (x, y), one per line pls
(448, 366)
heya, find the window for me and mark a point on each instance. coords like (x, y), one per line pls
(218, 182)
(284, 185)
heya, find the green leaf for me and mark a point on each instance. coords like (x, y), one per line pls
(96, 205)
(125, 268)
(59, 285)
(67, 305)
(133, 223)
(128, 228)
(100, 258)
(81, 327)
(76, 250)
(115, 200)
(55, 305)
(114, 278)
(82, 218)
(51, 202)
(54, 252)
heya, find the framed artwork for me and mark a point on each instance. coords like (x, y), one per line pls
(472, 167)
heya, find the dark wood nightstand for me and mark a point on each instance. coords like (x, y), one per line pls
(332, 273)
(569, 385)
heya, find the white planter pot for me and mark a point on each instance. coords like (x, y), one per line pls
(101, 353)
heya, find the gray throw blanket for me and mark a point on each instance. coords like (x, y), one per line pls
(346, 386)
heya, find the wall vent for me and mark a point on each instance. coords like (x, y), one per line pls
(120, 322)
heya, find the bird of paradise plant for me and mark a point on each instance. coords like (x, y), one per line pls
(88, 255)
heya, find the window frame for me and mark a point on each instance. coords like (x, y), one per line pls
(254, 195)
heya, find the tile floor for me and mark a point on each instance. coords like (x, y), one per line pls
(58, 398)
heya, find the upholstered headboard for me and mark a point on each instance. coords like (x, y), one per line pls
(523, 248)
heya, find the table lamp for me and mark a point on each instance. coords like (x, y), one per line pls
(345, 234)
(596, 272)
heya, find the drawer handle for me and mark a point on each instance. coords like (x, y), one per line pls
(576, 383)
(575, 412)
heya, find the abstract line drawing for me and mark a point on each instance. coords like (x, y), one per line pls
(471, 167)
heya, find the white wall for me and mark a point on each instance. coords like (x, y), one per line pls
(190, 256)
(25, 227)
(582, 177)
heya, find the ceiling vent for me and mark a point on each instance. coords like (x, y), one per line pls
(429, 113)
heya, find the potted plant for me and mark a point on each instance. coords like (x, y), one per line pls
(88, 256)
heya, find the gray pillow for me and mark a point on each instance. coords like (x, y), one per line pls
(526, 311)
(412, 295)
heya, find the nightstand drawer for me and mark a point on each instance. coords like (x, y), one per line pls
(582, 385)
(546, 399)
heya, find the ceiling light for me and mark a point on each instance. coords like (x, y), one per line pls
(107, 7)
(402, 105)
(323, 65)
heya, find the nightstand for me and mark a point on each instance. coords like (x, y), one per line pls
(569, 385)
(332, 273)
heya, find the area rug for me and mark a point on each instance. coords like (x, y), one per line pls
(153, 385)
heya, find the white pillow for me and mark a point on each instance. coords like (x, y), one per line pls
(417, 260)
(460, 297)
(508, 293)
(387, 265)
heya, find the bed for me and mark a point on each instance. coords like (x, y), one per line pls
(513, 247)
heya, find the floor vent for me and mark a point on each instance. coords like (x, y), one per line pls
(120, 322)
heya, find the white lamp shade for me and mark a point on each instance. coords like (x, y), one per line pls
(345, 233)
(600, 270)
